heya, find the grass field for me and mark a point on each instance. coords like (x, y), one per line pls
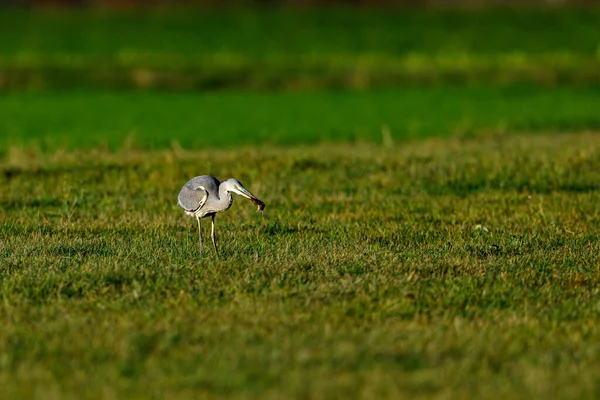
(443, 268)
(431, 180)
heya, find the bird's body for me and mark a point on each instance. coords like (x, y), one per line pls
(204, 196)
(195, 195)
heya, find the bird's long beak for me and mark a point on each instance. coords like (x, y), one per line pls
(251, 197)
(245, 193)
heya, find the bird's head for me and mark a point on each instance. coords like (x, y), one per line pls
(235, 186)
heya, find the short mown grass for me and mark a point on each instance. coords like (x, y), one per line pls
(445, 268)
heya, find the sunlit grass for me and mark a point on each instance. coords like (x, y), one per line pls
(447, 268)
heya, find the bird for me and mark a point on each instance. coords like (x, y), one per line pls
(204, 196)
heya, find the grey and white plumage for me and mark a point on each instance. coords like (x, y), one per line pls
(204, 196)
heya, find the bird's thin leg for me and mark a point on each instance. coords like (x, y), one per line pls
(212, 235)
(200, 233)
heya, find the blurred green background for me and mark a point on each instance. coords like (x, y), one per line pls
(247, 74)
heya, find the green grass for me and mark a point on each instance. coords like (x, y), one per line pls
(290, 48)
(418, 241)
(71, 120)
(338, 30)
(444, 268)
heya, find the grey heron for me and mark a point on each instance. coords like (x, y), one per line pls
(205, 196)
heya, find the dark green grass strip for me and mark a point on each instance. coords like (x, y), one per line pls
(309, 72)
(295, 31)
(49, 121)
(297, 49)
(290, 74)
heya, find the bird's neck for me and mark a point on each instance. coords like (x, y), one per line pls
(225, 198)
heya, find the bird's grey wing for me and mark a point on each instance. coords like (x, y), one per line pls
(192, 198)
